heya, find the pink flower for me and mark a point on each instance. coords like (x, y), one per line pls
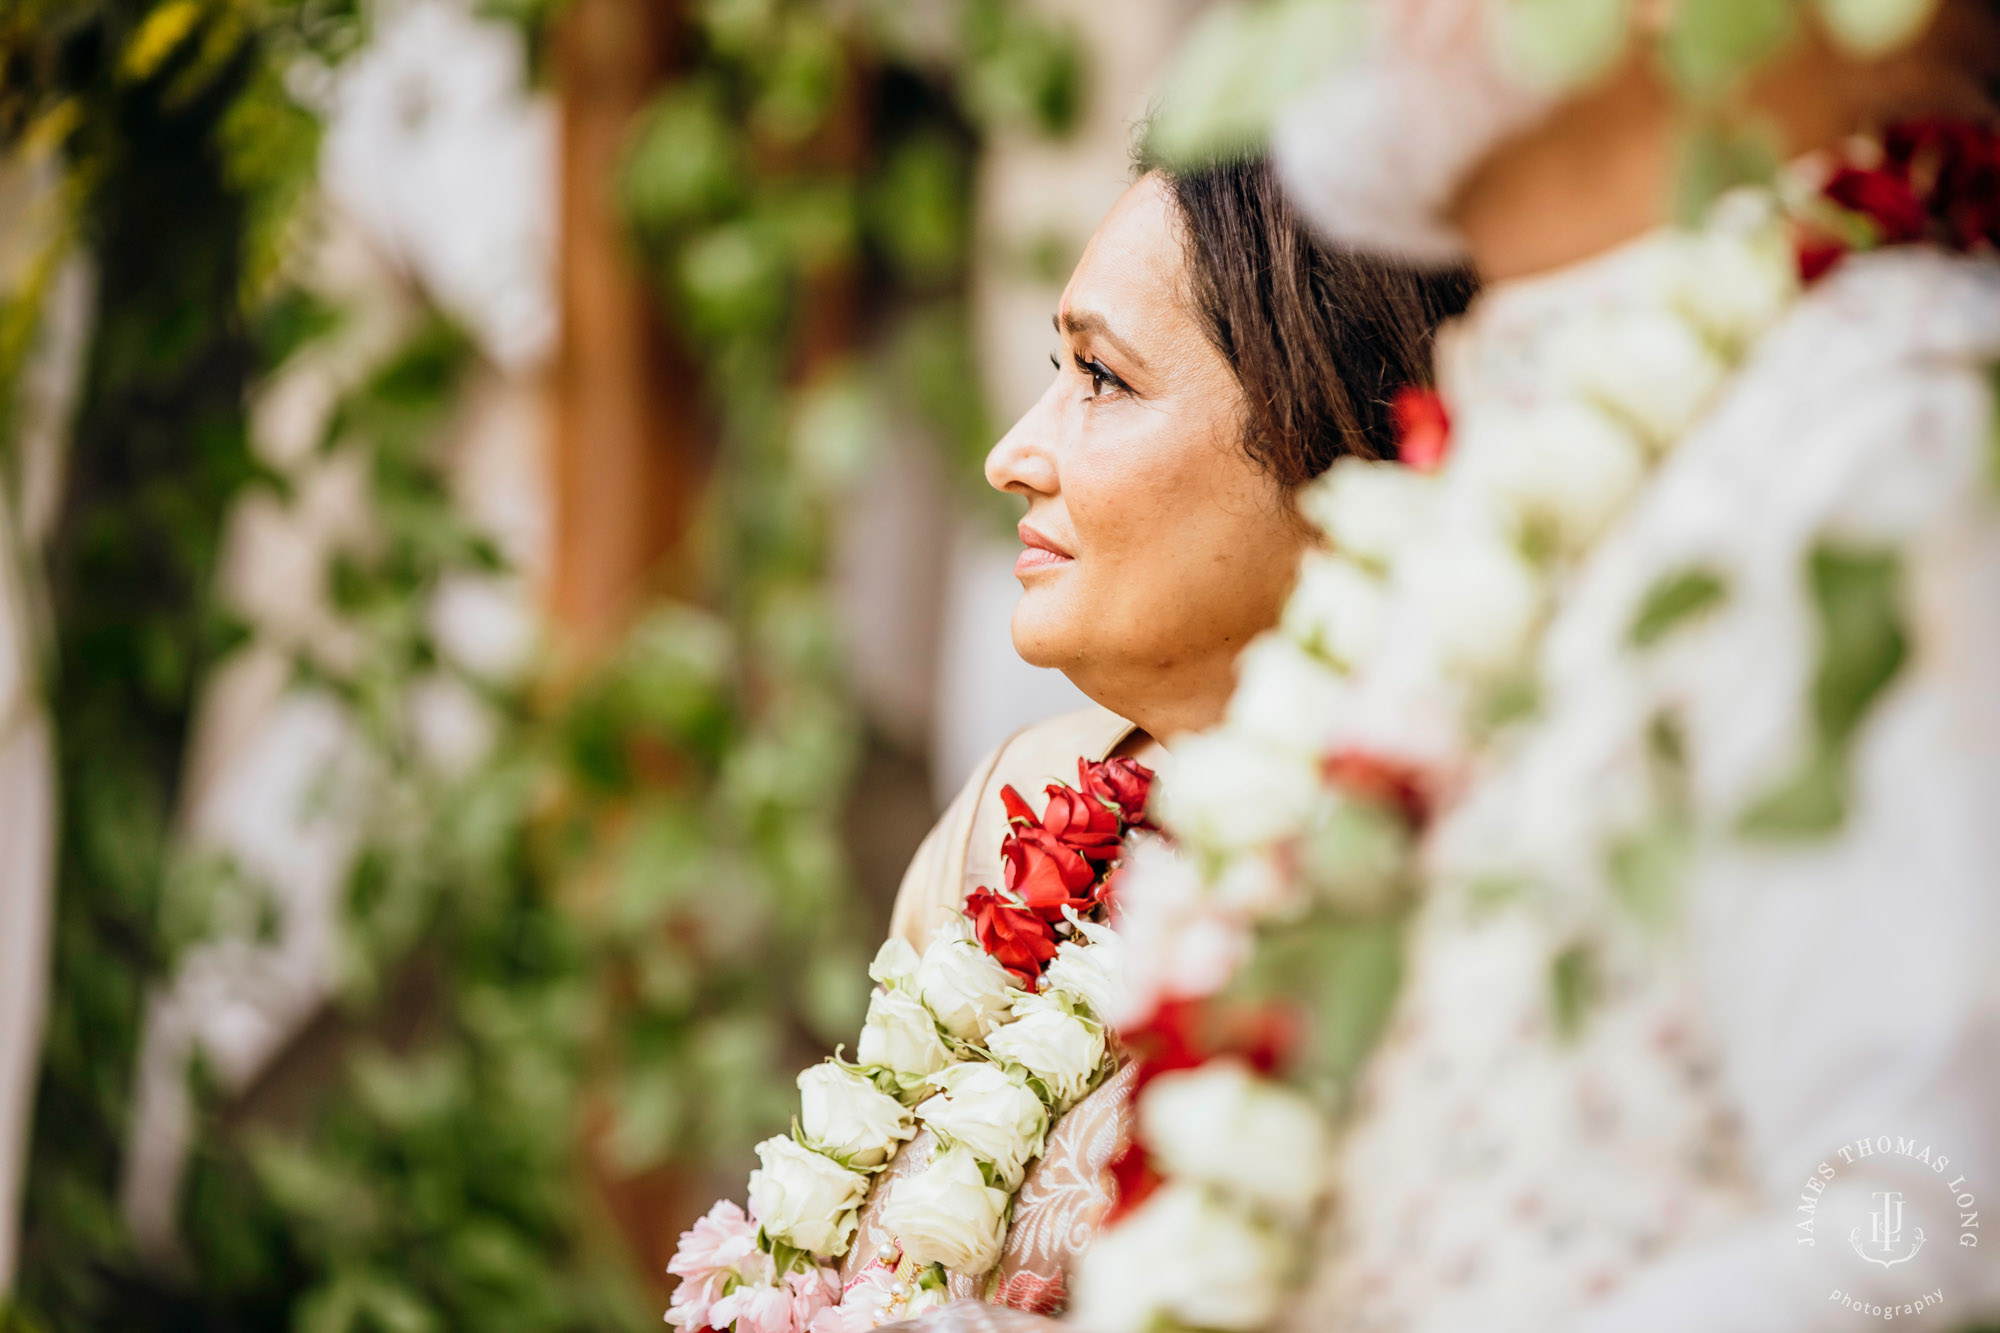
(863, 1305)
(721, 1248)
(788, 1306)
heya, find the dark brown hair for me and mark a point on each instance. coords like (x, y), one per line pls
(1320, 338)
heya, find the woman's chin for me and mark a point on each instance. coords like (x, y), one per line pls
(1045, 632)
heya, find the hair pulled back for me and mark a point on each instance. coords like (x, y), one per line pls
(1320, 338)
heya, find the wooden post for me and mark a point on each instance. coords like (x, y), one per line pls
(630, 452)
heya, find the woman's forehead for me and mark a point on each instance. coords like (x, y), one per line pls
(1131, 269)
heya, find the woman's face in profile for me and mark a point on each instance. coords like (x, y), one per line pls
(1153, 547)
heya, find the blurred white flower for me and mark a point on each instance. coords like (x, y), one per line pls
(1180, 942)
(1368, 509)
(1057, 1047)
(1646, 366)
(1475, 597)
(1184, 1259)
(947, 1214)
(1224, 1126)
(1335, 609)
(963, 985)
(1733, 282)
(901, 1036)
(1566, 469)
(848, 1118)
(1286, 697)
(983, 1108)
(1230, 790)
(805, 1198)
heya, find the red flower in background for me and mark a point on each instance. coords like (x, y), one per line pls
(1423, 427)
(1125, 783)
(1938, 180)
(1387, 782)
(1017, 938)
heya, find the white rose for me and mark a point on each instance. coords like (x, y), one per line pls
(848, 1118)
(895, 964)
(805, 1199)
(1645, 365)
(963, 985)
(1090, 968)
(1368, 509)
(1056, 1046)
(1567, 469)
(1186, 1258)
(985, 1109)
(1336, 608)
(1179, 941)
(1286, 697)
(1221, 1125)
(1476, 598)
(901, 1037)
(1734, 285)
(947, 1214)
(1229, 790)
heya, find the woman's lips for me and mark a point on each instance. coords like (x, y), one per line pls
(1038, 553)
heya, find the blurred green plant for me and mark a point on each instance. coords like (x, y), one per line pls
(621, 923)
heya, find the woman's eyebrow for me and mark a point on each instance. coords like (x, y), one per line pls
(1088, 321)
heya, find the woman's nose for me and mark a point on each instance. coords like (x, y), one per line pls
(1022, 461)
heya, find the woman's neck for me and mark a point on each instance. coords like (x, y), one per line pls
(1599, 171)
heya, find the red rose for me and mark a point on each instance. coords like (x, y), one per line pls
(1125, 783)
(1082, 823)
(1017, 938)
(1883, 197)
(1423, 427)
(1041, 871)
(1817, 252)
(1385, 781)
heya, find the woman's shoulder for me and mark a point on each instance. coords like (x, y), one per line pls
(956, 852)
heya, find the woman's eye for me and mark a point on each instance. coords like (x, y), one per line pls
(1101, 377)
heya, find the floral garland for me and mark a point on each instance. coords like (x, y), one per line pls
(995, 1030)
(1391, 671)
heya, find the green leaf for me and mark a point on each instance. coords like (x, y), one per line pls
(1677, 597)
(1710, 45)
(1561, 44)
(1573, 988)
(1718, 155)
(1237, 67)
(1857, 598)
(1344, 975)
(1870, 29)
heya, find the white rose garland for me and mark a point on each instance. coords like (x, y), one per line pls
(956, 1042)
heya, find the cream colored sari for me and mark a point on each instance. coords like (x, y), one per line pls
(1067, 1190)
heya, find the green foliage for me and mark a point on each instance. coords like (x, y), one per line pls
(1238, 66)
(1678, 597)
(1561, 44)
(1710, 45)
(1857, 596)
(633, 913)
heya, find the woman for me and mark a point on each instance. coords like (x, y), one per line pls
(1212, 358)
